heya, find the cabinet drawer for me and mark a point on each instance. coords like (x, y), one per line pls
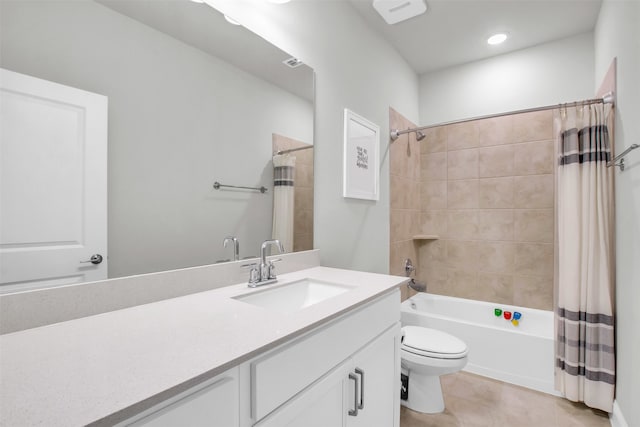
(282, 373)
(212, 404)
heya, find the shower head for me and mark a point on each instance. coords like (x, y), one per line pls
(419, 135)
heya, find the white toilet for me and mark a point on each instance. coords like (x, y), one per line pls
(426, 354)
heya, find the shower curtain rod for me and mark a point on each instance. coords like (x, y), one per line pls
(607, 98)
(291, 150)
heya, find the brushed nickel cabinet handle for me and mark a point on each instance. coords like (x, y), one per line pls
(354, 412)
(361, 373)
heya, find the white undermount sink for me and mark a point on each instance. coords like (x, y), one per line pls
(295, 295)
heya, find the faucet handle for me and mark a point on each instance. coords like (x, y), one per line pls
(271, 268)
(253, 273)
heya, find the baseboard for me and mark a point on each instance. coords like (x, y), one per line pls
(616, 418)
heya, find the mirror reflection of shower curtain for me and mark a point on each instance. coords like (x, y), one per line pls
(584, 282)
(283, 199)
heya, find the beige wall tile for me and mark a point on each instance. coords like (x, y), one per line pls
(413, 195)
(431, 252)
(405, 158)
(493, 228)
(434, 222)
(434, 275)
(416, 222)
(398, 252)
(400, 194)
(534, 126)
(494, 287)
(462, 225)
(462, 194)
(462, 164)
(462, 135)
(396, 195)
(533, 192)
(495, 257)
(495, 193)
(302, 242)
(535, 225)
(495, 131)
(434, 166)
(397, 156)
(303, 198)
(533, 291)
(435, 140)
(534, 259)
(534, 158)
(401, 224)
(461, 283)
(434, 195)
(495, 161)
(304, 176)
(302, 218)
(462, 254)
(495, 224)
(304, 157)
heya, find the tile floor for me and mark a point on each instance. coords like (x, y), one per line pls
(475, 401)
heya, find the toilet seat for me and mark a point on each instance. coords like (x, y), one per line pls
(432, 343)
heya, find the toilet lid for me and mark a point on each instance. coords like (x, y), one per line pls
(432, 343)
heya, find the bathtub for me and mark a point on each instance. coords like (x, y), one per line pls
(521, 355)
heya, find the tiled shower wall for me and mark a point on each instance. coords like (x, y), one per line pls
(303, 188)
(487, 192)
(404, 175)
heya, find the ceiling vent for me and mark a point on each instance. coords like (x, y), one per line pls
(394, 11)
(292, 62)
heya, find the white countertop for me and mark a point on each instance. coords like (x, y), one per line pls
(105, 368)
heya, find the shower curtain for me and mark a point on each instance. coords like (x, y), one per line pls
(283, 199)
(584, 276)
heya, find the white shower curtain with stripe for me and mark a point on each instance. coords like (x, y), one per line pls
(584, 279)
(283, 199)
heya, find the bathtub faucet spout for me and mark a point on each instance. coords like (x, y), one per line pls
(416, 286)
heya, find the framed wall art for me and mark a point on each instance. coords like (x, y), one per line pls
(361, 153)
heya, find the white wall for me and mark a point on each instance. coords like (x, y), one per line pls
(547, 74)
(617, 34)
(356, 69)
(179, 119)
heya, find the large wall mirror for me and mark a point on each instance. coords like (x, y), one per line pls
(192, 100)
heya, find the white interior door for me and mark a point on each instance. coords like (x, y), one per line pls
(53, 183)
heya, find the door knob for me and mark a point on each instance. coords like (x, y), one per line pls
(95, 259)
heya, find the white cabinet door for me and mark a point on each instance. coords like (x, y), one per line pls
(377, 395)
(361, 392)
(320, 405)
(53, 183)
(212, 404)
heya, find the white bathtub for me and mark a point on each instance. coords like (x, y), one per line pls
(521, 355)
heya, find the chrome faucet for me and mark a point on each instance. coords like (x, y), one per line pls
(264, 273)
(236, 246)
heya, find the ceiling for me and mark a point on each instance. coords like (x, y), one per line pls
(454, 32)
(205, 28)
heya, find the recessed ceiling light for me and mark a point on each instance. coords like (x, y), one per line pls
(497, 38)
(279, 1)
(231, 20)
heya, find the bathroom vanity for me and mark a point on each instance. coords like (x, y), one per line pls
(326, 355)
